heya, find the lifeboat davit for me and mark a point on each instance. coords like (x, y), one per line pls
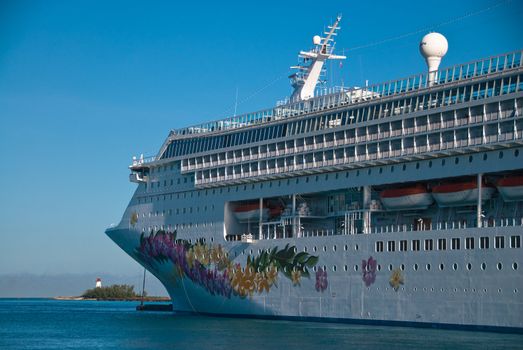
(455, 194)
(251, 212)
(414, 197)
(511, 188)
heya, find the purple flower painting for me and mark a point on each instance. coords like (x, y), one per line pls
(368, 269)
(321, 280)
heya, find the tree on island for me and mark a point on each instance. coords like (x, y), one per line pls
(116, 291)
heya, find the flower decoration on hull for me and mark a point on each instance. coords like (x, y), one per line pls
(396, 279)
(321, 280)
(210, 267)
(134, 219)
(368, 270)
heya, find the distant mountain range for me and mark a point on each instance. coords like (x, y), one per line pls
(35, 286)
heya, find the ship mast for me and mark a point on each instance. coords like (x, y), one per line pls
(309, 70)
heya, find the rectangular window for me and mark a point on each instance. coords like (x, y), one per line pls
(403, 245)
(483, 243)
(391, 246)
(499, 242)
(442, 244)
(469, 243)
(379, 246)
(455, 244)
(428, 244)
(515, 241)
(415, 245)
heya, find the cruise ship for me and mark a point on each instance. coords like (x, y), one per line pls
(399, 203)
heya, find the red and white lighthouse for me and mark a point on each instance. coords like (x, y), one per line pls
(98, 283)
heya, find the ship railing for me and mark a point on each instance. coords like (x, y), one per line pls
(370, 156)
(142, 160)
(344, 96)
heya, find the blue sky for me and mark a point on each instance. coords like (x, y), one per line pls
(85, 85)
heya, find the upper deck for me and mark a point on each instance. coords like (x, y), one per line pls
(480, 69)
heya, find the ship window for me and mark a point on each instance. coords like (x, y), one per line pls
(454, 266)
(469, 266)
(501, 155)
(402, 267)
(455, 244)
(345, 268)
(499, 266)
(345, 247)
(485, 156)
(417, 165)
(392, 169)
(391, 246)
(515, 266)
(428, 244)
(403, 245)
(404, 167)
(379, 246)
(516, 153)
(483, 266)
(430, 164)
(415, 267)
(334, 268)
(515, 241)
(442, 244)
(469, 243)
(415, 245)
(483, 243)
(443, 162)
(427, 267)
(441, 266)
(456, 161)
(390, 267)
(324, 248)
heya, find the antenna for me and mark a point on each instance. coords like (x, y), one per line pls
(236, 102)
(306, 78)
(433, 47)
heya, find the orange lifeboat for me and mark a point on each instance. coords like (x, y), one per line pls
(251, 212)
(462, 193)
(511, 188)
(413, 197)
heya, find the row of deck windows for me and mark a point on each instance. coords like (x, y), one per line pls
(441, 244)
(501, 86)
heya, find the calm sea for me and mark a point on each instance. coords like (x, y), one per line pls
(50, 324)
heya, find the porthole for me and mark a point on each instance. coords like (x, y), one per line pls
(485, 156)
(315, 269)
(417, 165)
(392, 169)
(212, 239)
(415, 289)
(483, 266)
(404, 167)
(337, 176)
(381, 170)
(402, 267)
(307, 179)
(345, 268)
(441, 267)
(358, 173)
(516, 153)
(430, 164)
(356, 247)
(514, 266)
(484, 290)
(355, 267)
(334, 248)
(515, 290)
(499, 290)
(469, 266)
(470, 159)
(443, 162)
(427, 267)
(324, 248)
(347, 174)
(456, 160)
(499, 266)
(455, 290)
(432, 289)
(390, 267)
(378, 267)
(345, 247)
(500, 155)
(314, 248)
(369, 171)
(334, 268)
(415, 267)
(305, 249)
(454, 266)
(251, 251)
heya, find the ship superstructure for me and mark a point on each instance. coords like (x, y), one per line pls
(396, 203)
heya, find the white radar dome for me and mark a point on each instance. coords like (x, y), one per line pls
(433, 45)
(316, 39)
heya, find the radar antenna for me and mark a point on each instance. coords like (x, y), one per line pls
(309, 70)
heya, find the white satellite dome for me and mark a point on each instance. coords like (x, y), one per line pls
(316, 40)
(433, 45)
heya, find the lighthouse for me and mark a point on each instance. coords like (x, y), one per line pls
(98, 283)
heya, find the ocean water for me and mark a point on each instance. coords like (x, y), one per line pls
(51, 324)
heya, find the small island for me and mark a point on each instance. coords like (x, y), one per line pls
(115, 292)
